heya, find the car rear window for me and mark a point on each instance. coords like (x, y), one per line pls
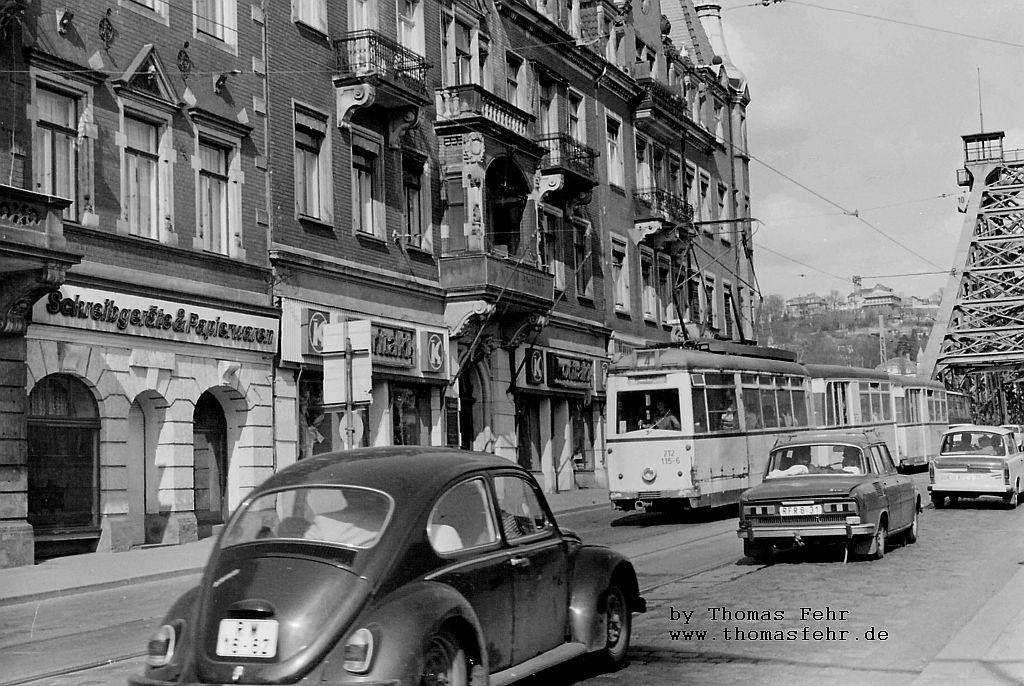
(349, 516)
(826, 458)
(973, 443)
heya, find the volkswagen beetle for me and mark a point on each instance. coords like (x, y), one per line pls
(395, 565)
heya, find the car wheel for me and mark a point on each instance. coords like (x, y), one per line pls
(760, 553)
(1012, 499)
(618, 623)
(880, 535)
(912, 531)
(939, 501)
(445, 662)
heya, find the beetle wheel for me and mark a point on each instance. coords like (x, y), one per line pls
(618, 622)
(444, 662)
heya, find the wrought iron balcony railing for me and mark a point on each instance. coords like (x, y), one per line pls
(567, 152)
(471, 100)
(673, 207)
(367, 52)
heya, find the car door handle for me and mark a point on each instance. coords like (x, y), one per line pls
(519, 562)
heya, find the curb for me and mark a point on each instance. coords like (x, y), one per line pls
(100, 586)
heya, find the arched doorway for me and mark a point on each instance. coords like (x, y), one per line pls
(209, 463)
(507, 191)
(63, 466)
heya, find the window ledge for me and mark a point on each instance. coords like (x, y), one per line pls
(315, 223)
(369, 237)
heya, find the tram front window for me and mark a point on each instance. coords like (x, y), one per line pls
(651, 409)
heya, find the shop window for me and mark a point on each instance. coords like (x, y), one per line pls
(63, 456)
(209, 460)
(410, 415)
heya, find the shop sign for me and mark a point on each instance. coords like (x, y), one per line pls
(394, 346)
(119, 313)
(535, 366)
(570, 372)
(313, 330)
(432, 351)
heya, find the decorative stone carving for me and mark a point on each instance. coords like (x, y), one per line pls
(350, 97)
(473, 148)
(402, 122)
(534, 322)
(19, 291)
(472, 319)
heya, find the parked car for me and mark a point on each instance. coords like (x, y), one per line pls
(829, 488)
(976, 460)
(395, 565)
(1018, 434)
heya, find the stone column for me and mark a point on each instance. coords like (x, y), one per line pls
(17, 543)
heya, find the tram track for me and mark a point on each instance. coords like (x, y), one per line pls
(72, 670)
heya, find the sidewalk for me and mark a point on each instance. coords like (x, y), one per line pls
(94, 571)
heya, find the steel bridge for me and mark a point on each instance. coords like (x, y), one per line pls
(977, 342)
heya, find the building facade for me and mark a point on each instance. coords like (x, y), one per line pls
(267, 230)
(145, 411)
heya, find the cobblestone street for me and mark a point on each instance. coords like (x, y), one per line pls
(919, 595)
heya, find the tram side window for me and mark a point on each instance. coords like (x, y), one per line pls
(714, 403)
(874, 402)
(637, 410)
(772, 402)
(799, 404)
(901, 412)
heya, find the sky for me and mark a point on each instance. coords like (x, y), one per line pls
(854, 127)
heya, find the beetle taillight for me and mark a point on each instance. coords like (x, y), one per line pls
(359, 651)
(161, 646)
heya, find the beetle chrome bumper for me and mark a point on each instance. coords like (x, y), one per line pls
(807, 531)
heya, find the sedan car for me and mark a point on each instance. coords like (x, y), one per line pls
(395, 565)
(828, 488)
(976, 460)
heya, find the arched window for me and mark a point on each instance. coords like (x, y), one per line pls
(63, 456)
(210, 464)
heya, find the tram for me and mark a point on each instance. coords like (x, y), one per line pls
(729, 410)
(690, 428)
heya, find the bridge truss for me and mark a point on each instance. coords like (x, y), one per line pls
(977, 342)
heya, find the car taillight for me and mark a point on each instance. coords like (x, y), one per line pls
(359, 651)
(1006, 472)
(161, 646)
(931, 471)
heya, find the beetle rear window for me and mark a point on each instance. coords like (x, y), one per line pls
(349, 516)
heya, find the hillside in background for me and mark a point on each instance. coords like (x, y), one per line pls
(847, 337)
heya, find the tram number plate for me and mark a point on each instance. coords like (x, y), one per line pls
(799, 510)
(247, 638)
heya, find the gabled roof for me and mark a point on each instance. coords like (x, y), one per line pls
(146, 77)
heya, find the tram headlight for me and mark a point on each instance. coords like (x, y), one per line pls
(649, 475)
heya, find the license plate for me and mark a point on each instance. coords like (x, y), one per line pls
(966, 477)
(247, 638)
(800, 509)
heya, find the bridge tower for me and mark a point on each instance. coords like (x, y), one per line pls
(977, 343)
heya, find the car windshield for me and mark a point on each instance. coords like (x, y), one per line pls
(346, 515)
(973, 443)
(826, 458)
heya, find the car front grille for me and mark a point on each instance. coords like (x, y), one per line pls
(830, 518)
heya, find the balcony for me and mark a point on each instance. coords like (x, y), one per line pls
(567, 155)
(661, 111)
(521, 287)
(468, 107)
(662, 215)
(33, 252)
(397, 75)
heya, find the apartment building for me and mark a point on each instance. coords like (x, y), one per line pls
(140, 336)
(490, 199)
